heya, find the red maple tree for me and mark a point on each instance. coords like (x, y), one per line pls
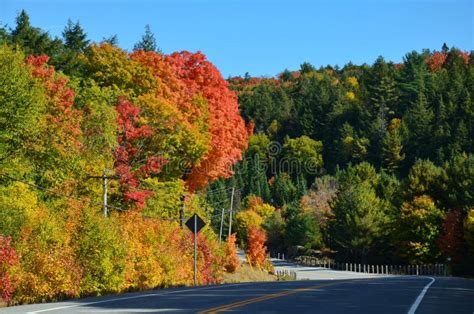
(226, 126)
(8, 258)
(450, 239)
(130, 162)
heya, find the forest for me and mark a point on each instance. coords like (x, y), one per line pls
(360, 163)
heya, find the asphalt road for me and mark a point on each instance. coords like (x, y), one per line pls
(368, 295)
(320, 273)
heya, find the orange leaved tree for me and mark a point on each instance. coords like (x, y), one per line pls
(226, 126)
(256, 249)
(231, 260)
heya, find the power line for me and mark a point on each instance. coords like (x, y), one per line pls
(38, 187)
(83, 200)
(219, 191)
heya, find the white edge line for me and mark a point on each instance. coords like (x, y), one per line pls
(130, 298)
(420, 297)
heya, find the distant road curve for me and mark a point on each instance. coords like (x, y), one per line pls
(369, 295)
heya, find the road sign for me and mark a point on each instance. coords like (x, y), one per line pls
(195, 223)
(198, 224)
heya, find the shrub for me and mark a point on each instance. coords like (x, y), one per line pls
(256, 250)
(47, 269)
(231, 260)
(100, 250)
(245, 220)
(8, 259)
(142, 267)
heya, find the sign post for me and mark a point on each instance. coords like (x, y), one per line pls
(195, 224)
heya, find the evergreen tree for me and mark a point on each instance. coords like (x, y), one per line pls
(4, 35)
(75, 39)
(33, 40)
(360, 221)
(111, 40)
(147, 42)
(418, 120)
(75, 43)
(392, 147)
(383, 97)
(283, 190)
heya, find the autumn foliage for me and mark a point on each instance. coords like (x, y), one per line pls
(8, 259)
(161, 125)
(232, 263)
(256, 249)
(131, 163)
(227, 140)
(450, 240)
(436, 61)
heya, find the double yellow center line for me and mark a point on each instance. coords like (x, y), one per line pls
(230, 306)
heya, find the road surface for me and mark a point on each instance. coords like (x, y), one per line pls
(368, 295)
(320, 273)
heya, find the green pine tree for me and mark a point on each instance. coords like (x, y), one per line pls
(147, 42)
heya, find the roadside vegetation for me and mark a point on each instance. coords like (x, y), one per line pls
(370, 163)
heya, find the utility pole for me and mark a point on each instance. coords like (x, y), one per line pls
(231, 209)
(181, 212)
(195, 249)
(104, 195)
(105, 188)
(222, 224)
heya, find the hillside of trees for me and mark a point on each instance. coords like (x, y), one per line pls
(370, 163)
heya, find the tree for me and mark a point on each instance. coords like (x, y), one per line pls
(226, 127)
(111, 40)
(75, 43)
(418, 120)
(284, 190)
(132, 164)
(459, 180)
(352, 147)
(232, 263)
(424, 178)
(244, 221)
(4, 35)
(265, 103)
(256, 204)
(22, 103)
(33, 40)
(147, 42)
(469, 230)
(451, 237)
(303, 229)
(8, 259)
(274, 227)
(256, 249)
(418, 228)
(303, 153)
(75, 39)
(383, 97)
(100, 251)
(59, 127)
(392, 147)
(361, 218)
(319, 199)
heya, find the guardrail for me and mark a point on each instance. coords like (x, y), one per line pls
(285, 274)
(415, 270)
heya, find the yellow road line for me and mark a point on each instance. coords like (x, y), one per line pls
(266, 297)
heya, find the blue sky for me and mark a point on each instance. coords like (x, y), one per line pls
(263, 37)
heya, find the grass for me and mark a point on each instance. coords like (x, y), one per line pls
(248, 274)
